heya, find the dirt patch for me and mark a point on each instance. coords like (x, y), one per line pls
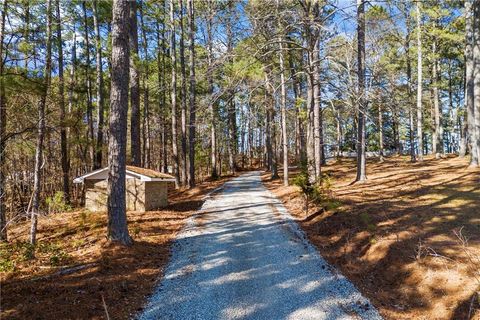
(395, 236)
(75, 268)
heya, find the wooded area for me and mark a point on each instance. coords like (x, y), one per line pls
(217, 86)
(307, 90)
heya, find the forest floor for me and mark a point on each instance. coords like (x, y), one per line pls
(77, 274)
(395, 236)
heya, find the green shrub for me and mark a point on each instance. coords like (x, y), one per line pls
(57, 203)
(77, 243)
(27, 251)
(320, 193)
(7, 264)
(83, 218)
(136, 230)
(59, 257)
(367, 221)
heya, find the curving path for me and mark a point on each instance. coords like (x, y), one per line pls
(244, 258)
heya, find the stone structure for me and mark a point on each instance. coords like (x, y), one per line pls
(145, 189)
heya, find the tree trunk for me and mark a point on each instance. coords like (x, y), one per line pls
(37, 185)
(411, 126)
(419, 85)
(173, 94)
(380, 133)
(232, 136)
(183, 94)
(268, 138)
(71, 84)
(299, 130)
(117, 144)
(211, 106)
(135, 142)
(89, 85)
(100, 100)
(469, 83)
(192, 124)
(63, 131)
(317, 117)
(283, 102)
(310, 141)
(3, 127)
(438, 132)
(362, 108)
(162, 102)
(476, 72)
(232, 141)
(146, 161)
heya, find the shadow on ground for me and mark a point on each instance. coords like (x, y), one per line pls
(395, 235)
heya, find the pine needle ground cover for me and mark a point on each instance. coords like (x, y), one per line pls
(409, 237)
(74, 273)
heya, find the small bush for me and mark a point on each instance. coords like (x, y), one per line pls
(83, 218)
(58, 258)
(57, 203)
(320, 193)
(136, 230)
(77, 243)
(27, 251)
(367, 221)
(56, 255)
(7, 264)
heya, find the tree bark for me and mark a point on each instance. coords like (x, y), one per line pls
(469, 83)
(411, 126)
(162, 102)
(100, 100)
(380, 133)
(183, 94)
(100, 97)
(283, 102)
(117, 144)
(63, 130)
(37, 180)
(317, 117)
(232, 141)
(91, 135)
(476, 71)
(419, 85)
(211, 106)
(71, 84)
(146, 160)
(3, 127)
(299, 130)
(192, 124)
(135, 142)
(437, 136)
(174, 96)
(362, 108)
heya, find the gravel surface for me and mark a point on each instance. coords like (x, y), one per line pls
(246, 259)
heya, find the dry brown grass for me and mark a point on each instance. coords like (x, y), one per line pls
(40, 289)
(394, 235)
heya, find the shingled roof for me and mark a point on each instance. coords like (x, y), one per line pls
(149, 172)
(132, 171)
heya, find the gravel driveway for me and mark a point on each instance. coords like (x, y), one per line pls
(246, 259)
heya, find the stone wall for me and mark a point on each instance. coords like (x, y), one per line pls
(96, 195)
(156, 194)
(135, 195)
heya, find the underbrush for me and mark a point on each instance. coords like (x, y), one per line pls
(17, 253)
(319, 193)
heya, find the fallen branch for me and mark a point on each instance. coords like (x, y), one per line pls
(66, 271)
